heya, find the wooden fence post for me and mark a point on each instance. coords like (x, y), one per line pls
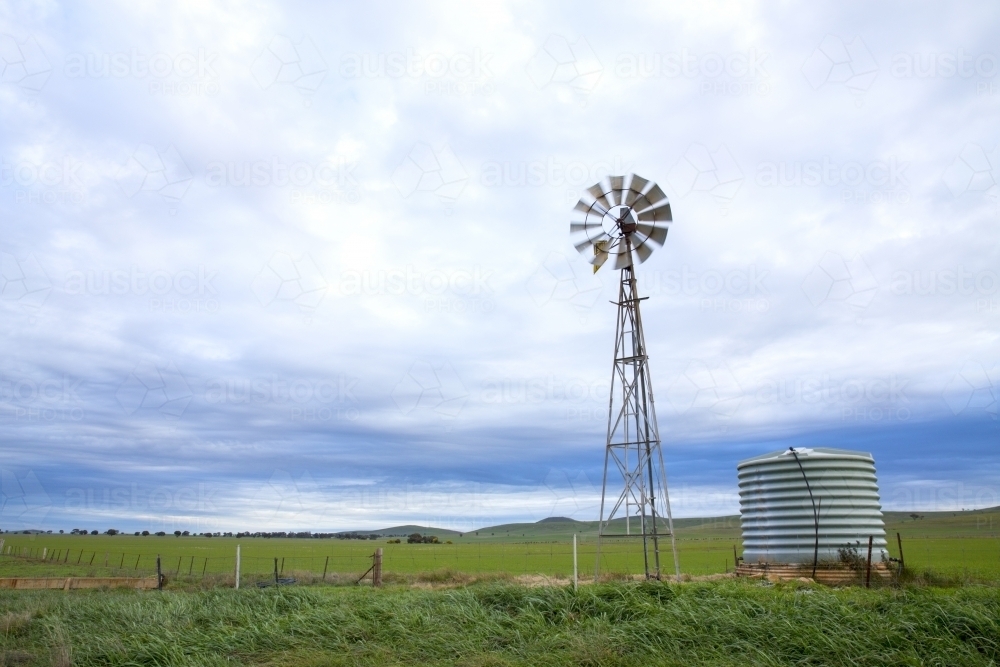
(325, 566)
(868, 571)
(159, 574)
(377, 568)
(237, 567)
(276, 571)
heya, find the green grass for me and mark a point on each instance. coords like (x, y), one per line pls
(963, 545)
(729, 623)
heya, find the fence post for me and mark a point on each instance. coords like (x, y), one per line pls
(45, 550)
(868, 571)
(275, 571)
(237, 567)
(325, 566)
(377, 569)
(899, 541)
(574, 562)
(159, 574)
(2, 540)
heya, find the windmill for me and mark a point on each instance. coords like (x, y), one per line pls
(620, 221)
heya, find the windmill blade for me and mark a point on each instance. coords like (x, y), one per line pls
(654, 195)
(659, 213)
(655, 233)
(617, 189)
(634, 185)
(584, 241)
(591, 219)
(608, 192)
(589, 205)
(622, 260)
(644, 250)
(599, 191)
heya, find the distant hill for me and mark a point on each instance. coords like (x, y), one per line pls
(984, 522)
(400, 531)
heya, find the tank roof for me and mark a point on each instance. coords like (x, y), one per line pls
(804, 453)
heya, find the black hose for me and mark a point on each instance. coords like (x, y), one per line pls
(815, 511)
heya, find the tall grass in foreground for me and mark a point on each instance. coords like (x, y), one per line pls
(724, 623)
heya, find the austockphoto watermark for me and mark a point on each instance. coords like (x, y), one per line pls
(982, 285)
(550, 172)
(46, 182)
(942, 497)
(462, 65)
(32, 400)
(197, 498)
(461, 74)
(945, 65)
(738, 73)
(512, 391)
(184, 291)
(877, 181)
(409, 498)
(302, 399)
(325, 181)
(857, 400)
(742, 290)
(182, 74)
(442, 291)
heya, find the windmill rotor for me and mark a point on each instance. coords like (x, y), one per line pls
(622, 219)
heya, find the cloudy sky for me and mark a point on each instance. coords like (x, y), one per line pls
(296, 267)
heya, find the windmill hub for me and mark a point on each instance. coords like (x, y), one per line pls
(619, 221)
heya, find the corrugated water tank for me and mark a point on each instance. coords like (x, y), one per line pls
(782, 494)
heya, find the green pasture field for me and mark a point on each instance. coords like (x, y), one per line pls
(730, 623)
(952, 544)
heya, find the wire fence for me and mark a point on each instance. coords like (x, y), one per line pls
(549, 559)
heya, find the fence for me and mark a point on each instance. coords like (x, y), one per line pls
(337, 560)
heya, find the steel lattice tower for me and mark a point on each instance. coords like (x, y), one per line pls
(633, 443)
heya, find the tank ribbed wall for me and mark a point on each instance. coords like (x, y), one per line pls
(776, 513)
